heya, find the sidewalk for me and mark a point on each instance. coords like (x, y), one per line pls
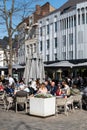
(21, 121)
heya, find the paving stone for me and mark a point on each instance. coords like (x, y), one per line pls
(20, 121)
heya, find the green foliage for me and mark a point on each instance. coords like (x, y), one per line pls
(41, 95)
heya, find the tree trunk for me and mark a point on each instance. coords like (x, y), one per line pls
(10, 56)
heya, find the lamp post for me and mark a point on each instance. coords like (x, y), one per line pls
(60, 73)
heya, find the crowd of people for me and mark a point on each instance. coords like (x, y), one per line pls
(64, 88)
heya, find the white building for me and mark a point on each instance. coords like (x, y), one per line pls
(1, 57)
(21, 43)
(62, 33)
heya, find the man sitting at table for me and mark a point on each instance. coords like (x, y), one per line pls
(23, 90)
(53, 87)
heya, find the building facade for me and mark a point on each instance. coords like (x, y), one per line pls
(1, 57)
(28, 33)
(62, 33)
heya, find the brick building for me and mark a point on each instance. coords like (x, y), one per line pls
(28, 31)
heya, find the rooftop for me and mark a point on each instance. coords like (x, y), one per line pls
(68, 6)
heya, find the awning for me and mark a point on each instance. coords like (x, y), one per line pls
(61, 64)
(17, 66)
(81, 64)
(3, 67)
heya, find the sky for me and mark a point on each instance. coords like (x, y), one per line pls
(54, 3)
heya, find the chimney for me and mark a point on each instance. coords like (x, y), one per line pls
(38, 9)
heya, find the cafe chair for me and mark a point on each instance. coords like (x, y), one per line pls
(61, 105)
(21, 101)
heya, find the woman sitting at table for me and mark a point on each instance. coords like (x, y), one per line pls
(66, 89)
(59, 90)
(42, 89)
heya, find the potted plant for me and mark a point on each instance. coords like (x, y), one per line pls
(42, 105)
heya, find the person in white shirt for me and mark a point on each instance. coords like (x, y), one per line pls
(66, 89)
(11, 80)
(33, 85)
(22, 87)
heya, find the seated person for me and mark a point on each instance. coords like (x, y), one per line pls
(59, 90)
(84, 98)
(85, 91)
(22, 87)
(1, 86)
(66, 89)
(9, 89)
(33, 87)
(53, 87)
(48, 86)
(21, 93)
(37, 84)
(42, 89)
(74, 90)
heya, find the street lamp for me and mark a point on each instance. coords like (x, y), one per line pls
(60, 73)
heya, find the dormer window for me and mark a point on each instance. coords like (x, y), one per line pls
(30, 20)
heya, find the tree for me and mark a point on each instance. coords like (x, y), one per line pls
(12, 12)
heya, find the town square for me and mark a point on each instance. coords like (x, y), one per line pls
(43, 65)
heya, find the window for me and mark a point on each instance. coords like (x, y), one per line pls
(80, 54)
(71, 38)
(67, 22)
(64, 40)
(55, 16)
(61, 25)
(56, 42)
(70, 22)
(74, 20)
(30, 20)
(48, 45)
(31, 49)
(78, 11)
(70, 55)
(40, 45)
(47, 29)
(27, 49)
(64, 23)
(55, 56)
(55, 26)
(80, 37)
(83, 18)
(64, 55)
(78, 19)
(40, 31)
(86, 18)
(82, 10)
(47, 57)
(34, 48)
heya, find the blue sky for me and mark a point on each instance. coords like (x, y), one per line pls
(54, 3)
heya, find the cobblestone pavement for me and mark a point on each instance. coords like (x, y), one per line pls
(20, 121)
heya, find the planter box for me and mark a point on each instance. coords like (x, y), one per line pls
(42, 106)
